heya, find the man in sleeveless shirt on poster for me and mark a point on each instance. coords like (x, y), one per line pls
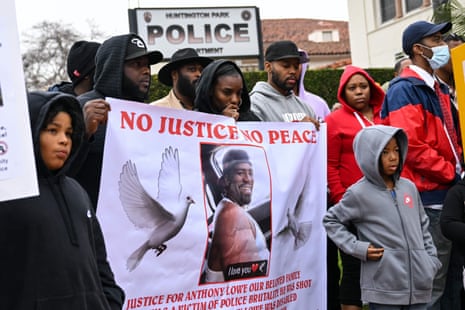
(237, 242)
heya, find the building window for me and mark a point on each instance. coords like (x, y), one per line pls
(388, 10)
(327, 36)
(411, 5)
(324, 36)
(391, 9)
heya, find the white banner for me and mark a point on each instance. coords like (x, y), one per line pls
(17, 167)
(161, 178)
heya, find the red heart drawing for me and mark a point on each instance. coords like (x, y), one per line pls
(254, 267)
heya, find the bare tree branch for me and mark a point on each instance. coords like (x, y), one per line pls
(47, 46)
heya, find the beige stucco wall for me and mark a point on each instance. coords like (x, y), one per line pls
(374, 45)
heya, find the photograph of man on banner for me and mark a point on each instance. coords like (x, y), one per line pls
(239, 241)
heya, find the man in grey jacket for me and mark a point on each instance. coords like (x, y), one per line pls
(274, 100)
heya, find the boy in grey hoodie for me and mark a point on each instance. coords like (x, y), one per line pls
(397, 252)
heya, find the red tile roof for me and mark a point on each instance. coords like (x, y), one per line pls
(298, 30)
(337, 64)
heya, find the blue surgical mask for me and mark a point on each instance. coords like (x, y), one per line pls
(440, 57)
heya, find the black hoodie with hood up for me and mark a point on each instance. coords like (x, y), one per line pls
(108, 82)
(203, 93)
(53, 254)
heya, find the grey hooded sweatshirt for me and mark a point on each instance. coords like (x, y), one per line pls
(272, 106)
(392, 219)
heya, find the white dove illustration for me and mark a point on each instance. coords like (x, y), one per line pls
(300, 230)
(165, 215)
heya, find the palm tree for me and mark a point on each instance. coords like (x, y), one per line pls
(451, 11)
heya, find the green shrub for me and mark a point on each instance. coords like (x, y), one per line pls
(324, 82)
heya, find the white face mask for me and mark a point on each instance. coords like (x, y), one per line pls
(440, 56)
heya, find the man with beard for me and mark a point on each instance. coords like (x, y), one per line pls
(237, 242)
(181, 73)
(275, 100)
(122, 70)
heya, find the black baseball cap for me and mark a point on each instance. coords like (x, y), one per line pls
(282, 50)
(136, 48)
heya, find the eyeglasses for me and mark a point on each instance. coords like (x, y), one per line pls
(422, 45)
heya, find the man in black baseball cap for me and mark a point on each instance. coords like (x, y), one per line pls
(122, 70)
(182, 73)
(274, 100)
(282, 50)
(136, 48)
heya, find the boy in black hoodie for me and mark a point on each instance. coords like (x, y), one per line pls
(53, 253)
(122, 70)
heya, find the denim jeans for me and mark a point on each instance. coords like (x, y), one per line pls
(443, 248)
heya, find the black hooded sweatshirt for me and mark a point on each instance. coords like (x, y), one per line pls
(108, 82)
(453, 216)
(53, 254)
(203, 97)
(64, 87)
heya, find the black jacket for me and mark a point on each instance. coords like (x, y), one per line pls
(202, 102)
(108, 82)
(453, 216)
(64, 87)
(53, 254)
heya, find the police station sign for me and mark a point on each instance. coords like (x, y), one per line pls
(213, 32)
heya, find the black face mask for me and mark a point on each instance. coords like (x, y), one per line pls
(132, 92)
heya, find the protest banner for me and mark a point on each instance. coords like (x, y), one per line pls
(17, 167)
(161, 190)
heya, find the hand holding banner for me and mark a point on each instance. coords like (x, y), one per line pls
(200, 212)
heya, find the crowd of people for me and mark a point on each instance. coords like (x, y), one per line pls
(395, 160)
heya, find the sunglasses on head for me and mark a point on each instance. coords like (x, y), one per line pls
(453, 37)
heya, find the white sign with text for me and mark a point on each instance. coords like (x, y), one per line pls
(212, 32)
(17, 167)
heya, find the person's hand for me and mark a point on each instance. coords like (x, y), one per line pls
(311, 120)
(374, 253)
(95, 113)
(231, 110)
